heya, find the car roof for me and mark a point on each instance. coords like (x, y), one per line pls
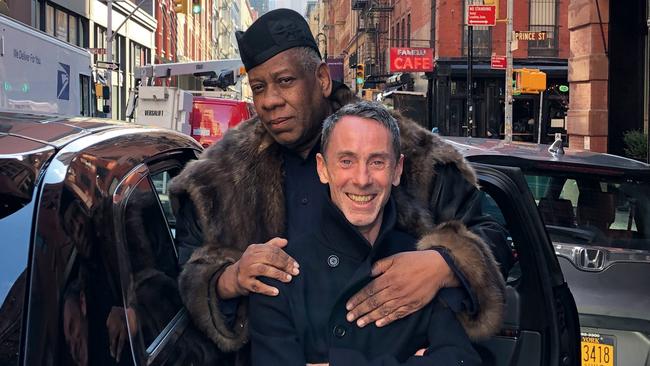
(54, 131)
(537, 155)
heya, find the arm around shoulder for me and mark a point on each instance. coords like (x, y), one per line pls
(456, 205)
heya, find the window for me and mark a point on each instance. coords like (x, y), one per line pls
(100, 42)
(61, 25)
(482, 36)
(150, 264)
(543, 18)
(408, 31)
(587, 209)
(403, 39)
(397, 38)
(84, 82)
(72, 31)
(49, 19)
(161, 183)
(15, 225)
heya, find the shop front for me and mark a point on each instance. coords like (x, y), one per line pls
(449, 107)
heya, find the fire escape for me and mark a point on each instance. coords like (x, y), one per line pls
(373, 23)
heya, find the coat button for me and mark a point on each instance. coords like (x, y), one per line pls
(333, 261)
(339, 331)
(304, 201)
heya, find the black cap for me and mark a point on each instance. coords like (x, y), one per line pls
(274, 32)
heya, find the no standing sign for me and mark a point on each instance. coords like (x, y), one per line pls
(485, 15)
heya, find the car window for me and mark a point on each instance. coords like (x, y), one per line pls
(490, 208)
(160, 329)
(150, 289)
(16, 230)
(161, 183)
(588, 209)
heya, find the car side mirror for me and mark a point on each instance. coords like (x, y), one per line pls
(556, 148)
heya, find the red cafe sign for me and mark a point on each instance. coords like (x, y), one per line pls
(403, 59)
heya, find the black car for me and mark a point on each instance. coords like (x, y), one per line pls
(596, 208)
(88, 267)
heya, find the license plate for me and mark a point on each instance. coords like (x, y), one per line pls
(598, 350)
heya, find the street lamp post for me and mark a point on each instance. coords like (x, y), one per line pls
(325, 41)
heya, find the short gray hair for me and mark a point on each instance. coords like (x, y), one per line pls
(363, 109)
(307, 58)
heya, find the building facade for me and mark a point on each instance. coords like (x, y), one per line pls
(449, 89)
(609, 73)
(83, 23)
(366, 30)
(166, 32)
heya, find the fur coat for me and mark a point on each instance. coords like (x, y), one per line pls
(237, 190)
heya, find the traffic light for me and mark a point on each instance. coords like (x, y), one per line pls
(196, 6)
(180, 6)
(530, 81)
(360, 73)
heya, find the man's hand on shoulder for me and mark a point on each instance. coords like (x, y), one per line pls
(404, 284)
(268, 260)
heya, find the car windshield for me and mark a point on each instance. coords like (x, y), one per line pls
(594, 210)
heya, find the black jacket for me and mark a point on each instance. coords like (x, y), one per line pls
(306, 322)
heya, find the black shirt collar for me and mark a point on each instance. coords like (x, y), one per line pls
(293, 156)
(345, 238)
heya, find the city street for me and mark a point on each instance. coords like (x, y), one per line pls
(541, 106)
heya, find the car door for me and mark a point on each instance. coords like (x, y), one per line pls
(541, 321)
(160, 330)
(604, 250)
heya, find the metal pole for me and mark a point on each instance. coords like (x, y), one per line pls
(109, 52)
(470, 98)
(508, 98)
(539, 123)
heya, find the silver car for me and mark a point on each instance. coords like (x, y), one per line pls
(596, 208)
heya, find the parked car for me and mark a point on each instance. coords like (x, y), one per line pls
(88, 267)
(596, 208)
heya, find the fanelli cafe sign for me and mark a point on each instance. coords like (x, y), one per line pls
(404, 59)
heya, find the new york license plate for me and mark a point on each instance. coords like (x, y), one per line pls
(598, 350)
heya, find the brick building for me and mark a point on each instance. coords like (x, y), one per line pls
(609, 72)
(166, 32)
(449, 79)
(364, 30)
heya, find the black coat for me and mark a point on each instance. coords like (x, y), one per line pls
(306, 322)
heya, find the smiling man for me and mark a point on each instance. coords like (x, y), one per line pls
(306, 323)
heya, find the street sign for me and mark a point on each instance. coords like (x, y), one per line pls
(485, 15)
(403, 59)
(97, 51)
(498, 62)
(530, 36)
(107, 65)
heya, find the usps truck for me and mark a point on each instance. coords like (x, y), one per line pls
(42, 74)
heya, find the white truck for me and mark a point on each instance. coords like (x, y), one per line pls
(42, 74)
(205, 115)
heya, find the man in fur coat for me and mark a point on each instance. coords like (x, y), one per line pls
(258, 187)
